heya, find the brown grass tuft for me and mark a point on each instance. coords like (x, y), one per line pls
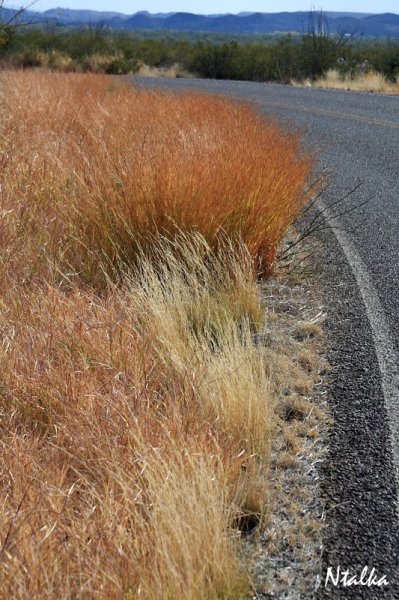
(92, 168)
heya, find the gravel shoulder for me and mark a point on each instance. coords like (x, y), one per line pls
(286, 556)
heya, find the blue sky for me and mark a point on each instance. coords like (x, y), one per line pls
(220, 6)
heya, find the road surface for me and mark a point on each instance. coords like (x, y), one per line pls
(357, 139)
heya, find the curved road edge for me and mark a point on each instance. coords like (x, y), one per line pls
(358, 476)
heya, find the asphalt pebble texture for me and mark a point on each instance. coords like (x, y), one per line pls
(356, 137)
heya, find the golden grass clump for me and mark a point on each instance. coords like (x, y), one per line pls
(91, 168)
(124, 470)
(136, 411)
(363, 82)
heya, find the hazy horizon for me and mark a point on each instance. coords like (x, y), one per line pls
(205, 7)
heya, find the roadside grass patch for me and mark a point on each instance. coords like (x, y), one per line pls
(104, 171)
(138, 412)
(363, 82)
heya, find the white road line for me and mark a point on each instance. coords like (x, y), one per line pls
(388, 358)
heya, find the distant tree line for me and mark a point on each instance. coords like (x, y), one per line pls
(282, 58)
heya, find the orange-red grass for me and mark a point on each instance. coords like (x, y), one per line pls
(98, 166)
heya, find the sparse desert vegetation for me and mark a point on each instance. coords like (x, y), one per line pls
(360, 82)
(138, 406)
(278, 57)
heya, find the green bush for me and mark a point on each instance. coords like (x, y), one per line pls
(282, 58)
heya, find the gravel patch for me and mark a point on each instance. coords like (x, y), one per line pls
(286, 555)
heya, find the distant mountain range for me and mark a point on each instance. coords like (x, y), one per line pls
(366, 24)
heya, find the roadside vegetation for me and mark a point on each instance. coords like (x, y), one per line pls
(114, 167)
(369, 81)
(278, 58)
(140, 395)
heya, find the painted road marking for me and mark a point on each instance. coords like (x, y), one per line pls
(388, 359)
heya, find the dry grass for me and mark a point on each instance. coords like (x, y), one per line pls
(59, 61)
(104, 167)
(136, 431)
(173, 72)
(367, 82)
(137, 413)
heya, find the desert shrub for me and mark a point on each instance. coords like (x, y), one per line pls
(282, 58)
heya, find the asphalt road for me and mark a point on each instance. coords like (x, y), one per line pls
(357, 140)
